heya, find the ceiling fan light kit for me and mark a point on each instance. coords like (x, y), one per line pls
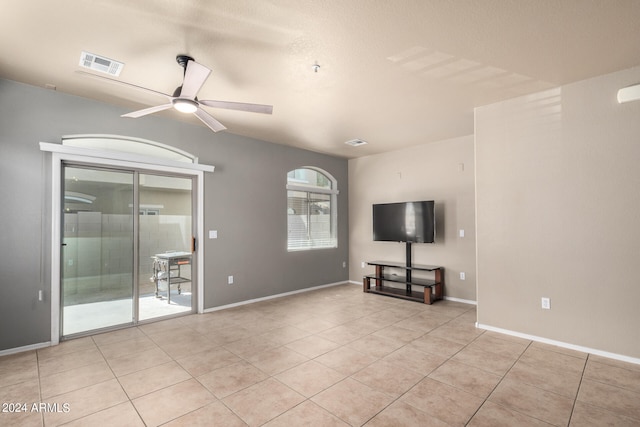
(185, 105)
(184, 98)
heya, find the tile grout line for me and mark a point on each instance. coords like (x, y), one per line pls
(575, 400)
(486, 399)
(451, 357)
(424, 376)
(129, 400)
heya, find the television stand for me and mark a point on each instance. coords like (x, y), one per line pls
(433, 289)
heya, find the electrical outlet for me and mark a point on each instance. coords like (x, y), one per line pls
(546, 303)
(462, 275)
(362, 264)
(344, 264)
(230, 280)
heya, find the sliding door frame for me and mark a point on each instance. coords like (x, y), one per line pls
(67, 154)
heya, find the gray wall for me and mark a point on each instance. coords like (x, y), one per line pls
(245, 200)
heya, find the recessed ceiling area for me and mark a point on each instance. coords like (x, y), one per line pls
(394, 74)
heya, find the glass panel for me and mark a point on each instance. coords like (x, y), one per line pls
(309, 177)
(309, 220)
(165, 263)
(97, 255)
(297, 209)
(320, 220)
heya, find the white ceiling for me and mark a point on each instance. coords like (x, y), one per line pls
(392, 72)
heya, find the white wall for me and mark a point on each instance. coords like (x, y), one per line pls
(558, 202)
(441, 171)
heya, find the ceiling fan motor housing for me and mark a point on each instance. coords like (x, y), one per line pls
(183, 60)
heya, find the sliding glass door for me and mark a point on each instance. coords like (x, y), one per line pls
(126, 248)
(97, 253)
(165, 238)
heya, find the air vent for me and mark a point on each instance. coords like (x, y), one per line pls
(100, 63)
(356, 142)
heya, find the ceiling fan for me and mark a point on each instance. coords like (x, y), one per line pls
(184, 97)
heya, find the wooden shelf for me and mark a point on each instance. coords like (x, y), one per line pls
(423, 267)
(403, 279)
(433, 288)
(397, 293)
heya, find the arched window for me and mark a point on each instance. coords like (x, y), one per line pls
(311, 209)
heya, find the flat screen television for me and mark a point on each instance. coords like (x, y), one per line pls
(413, 222)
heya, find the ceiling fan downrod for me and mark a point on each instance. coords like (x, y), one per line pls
(182, 60)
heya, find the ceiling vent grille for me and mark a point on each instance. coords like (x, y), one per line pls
(100, 63)
(356, 142)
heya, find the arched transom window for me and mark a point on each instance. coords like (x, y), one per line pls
(311, 209)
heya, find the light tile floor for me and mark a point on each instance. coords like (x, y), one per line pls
(331, 357)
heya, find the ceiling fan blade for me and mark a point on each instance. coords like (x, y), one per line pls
(150, 110)
(121, 83)
(208, 120)
(241, 106)
(194, 77)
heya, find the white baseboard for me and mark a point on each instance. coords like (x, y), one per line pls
(597, 352)
(251, 301)
(464, 301)
(25, 348)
